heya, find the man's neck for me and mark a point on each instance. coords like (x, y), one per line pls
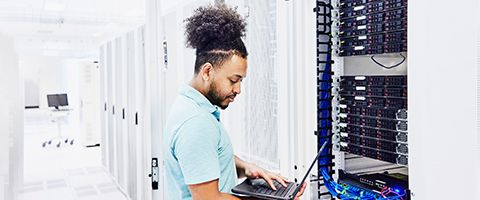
(197, 86)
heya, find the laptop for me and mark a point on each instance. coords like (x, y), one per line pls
(259, 188)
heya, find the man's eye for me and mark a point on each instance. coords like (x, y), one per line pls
(233, 81)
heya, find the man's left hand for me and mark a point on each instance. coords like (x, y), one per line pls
(301, 191)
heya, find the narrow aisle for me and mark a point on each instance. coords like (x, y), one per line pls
(67, 172)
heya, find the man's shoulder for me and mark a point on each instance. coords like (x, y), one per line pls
(183, 109)
(186, 113)
(184, 103)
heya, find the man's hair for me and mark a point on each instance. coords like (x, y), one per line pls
(215, 32)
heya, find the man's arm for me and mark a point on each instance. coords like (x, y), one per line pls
(240, 165)
(209, 190)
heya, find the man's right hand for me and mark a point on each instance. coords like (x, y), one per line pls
(252, 171)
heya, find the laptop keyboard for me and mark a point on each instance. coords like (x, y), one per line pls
(281, 191)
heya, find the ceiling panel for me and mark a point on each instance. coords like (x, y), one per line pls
(68, 25)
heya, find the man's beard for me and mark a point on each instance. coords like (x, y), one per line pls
(214, 97)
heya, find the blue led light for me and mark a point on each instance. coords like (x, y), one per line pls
(397, 190)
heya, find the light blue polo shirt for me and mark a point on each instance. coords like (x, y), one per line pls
(197, 148)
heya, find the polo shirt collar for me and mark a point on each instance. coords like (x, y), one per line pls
(191, 93)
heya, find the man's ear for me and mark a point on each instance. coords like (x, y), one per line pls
(206, 71)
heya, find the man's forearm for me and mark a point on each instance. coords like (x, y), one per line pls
(240, 165)
(247, 198)
(225, 196)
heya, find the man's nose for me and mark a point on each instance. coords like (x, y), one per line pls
(237, 89)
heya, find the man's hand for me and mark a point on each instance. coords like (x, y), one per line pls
(301, 191)
(252, 171)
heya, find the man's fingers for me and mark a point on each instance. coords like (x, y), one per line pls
(280, 180)
(268, 179)
(255, 174)
(285, 179)
(270, 182)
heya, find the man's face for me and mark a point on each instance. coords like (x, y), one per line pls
(226, 83)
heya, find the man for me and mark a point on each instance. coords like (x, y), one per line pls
(199, 160)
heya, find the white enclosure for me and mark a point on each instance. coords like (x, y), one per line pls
(11, 120)
(442, 80)
(103, 106)
(89, 93)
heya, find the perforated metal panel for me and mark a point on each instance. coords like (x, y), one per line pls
(478, 86)
(261, 128)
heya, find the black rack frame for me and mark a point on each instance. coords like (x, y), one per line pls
(323, 12)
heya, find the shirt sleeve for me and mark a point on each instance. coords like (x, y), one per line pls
(195, 148)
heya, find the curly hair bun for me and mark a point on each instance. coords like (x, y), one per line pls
(214, 27)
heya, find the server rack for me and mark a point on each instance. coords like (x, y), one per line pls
(363, 113)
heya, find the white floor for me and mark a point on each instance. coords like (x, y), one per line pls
(68, 172)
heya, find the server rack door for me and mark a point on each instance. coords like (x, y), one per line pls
(119, 133)
(130, 115)
(111, 109)
(141, 117)
(103, 106)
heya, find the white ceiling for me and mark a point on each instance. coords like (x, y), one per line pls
(72, 28)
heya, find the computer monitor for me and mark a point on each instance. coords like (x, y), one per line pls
(62, 99)
(57, 100)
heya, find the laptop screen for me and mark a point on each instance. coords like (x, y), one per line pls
(311, 166)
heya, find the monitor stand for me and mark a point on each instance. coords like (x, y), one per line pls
(59, 118)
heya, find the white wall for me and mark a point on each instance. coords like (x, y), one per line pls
(52, 75)
(11, 121)
(31, 94)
